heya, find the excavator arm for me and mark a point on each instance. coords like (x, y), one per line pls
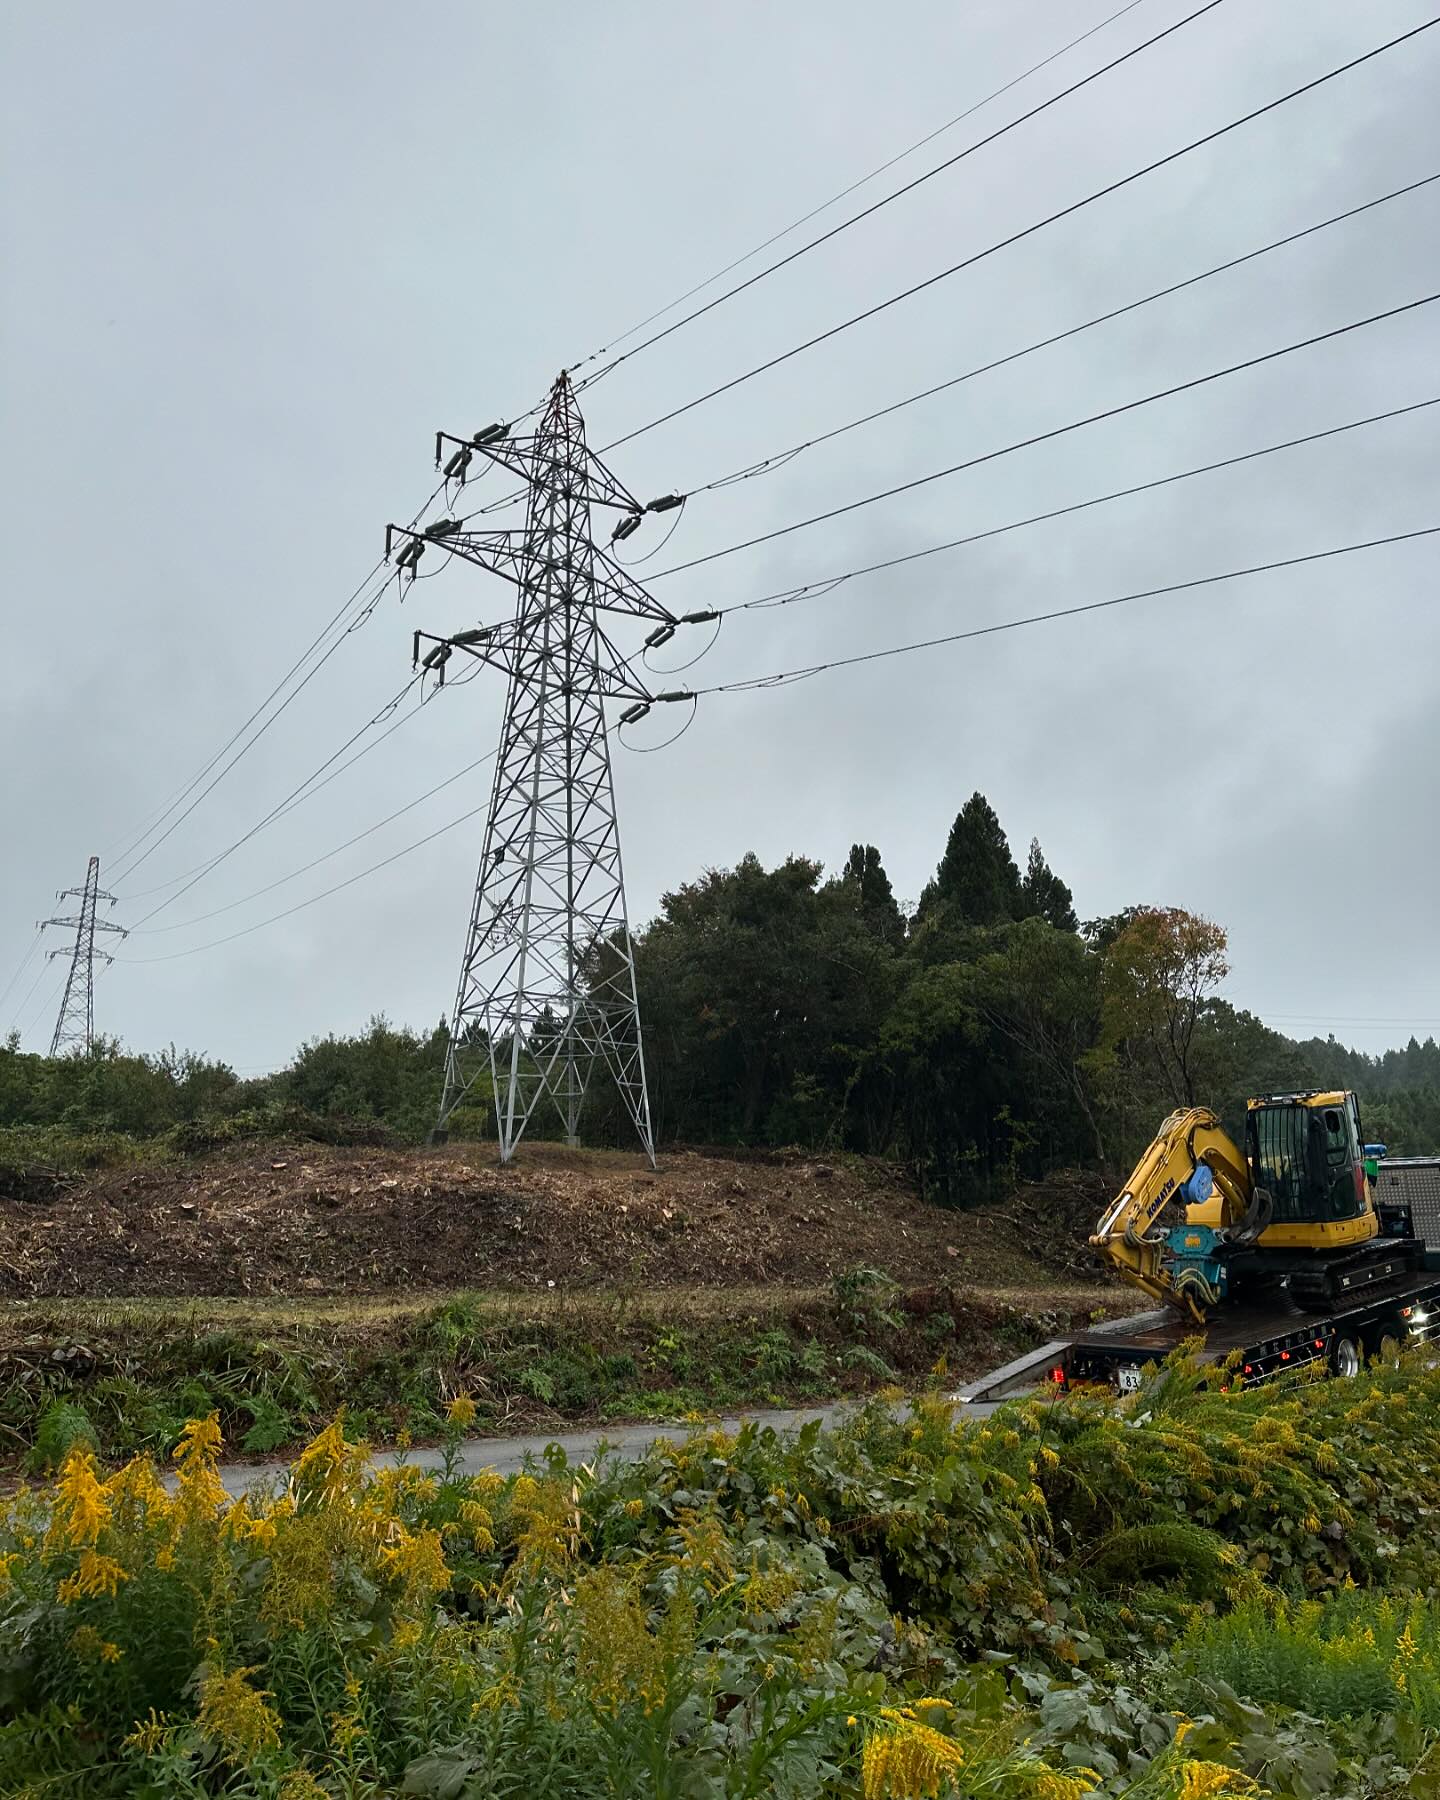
(1194, 1163)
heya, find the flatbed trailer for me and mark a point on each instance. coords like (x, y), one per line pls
(1267, 1340)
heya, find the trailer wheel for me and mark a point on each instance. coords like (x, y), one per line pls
(1345, 1358)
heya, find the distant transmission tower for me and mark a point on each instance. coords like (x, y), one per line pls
(76, 1024)
(547, 983)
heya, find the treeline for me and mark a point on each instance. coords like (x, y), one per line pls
(987, 1037)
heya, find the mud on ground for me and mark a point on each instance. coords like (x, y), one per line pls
(313, 1219)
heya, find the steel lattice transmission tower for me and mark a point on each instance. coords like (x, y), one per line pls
(76, 1023)
(547, 982)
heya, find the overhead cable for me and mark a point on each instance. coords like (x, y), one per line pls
(23, 963)
(827, 584)
(1016, 237)
(786, 676)
(768, 465)
(898, 193)
(314, 899)
(305, 868)
(366, 603)
(845, 192)
(1041, 437)
(133, 841)
(281, 806)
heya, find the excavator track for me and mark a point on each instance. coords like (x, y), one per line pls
(1321, 1287)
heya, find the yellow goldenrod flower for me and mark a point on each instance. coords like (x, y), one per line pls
(95, 1577)
(81, 1509)
(200, 1441)
(149, 1734)
(478, 1521)
(1047, 1785)
(235, 1715)
(1213, 1781)
(618, 1662)
(330, 1466)
(462, 1412)
(85, 1640)
(300, 1784)
(906, 1760)
(138, 1485)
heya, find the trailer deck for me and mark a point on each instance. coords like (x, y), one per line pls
(1266, 1341)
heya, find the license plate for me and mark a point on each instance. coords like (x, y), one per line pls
(1127, 1378)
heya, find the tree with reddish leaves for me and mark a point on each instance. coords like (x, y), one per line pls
(1160, 974)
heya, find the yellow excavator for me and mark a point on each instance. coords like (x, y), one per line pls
(1295, 1210)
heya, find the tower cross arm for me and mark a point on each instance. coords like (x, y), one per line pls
(492, 644)
(499, 552)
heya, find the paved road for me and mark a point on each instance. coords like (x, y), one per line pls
(507, 1454)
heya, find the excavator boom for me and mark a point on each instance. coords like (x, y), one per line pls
(1194, 1163)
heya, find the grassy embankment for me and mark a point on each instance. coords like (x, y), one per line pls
(125, 1376)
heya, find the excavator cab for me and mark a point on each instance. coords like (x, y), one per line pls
(1308, 1152)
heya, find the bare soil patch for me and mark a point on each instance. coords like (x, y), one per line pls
(311, 1219)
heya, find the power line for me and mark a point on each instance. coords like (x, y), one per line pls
(235, 737)
(845, 192)
(243, 751)
(274, 919)
(24, 1001)
(1016, 237)
(827, 584)
(305, 868)
(1041, 437)
(367, 603)
(783, 677)
(47, 1000)
(282, 806)
(813, 590)
(297, 797)
(154, 819)
(816, 669)
(20, 966)
(307, 790)
(767, 465)
(896, 194)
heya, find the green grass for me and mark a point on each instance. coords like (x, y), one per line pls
(128, 1374)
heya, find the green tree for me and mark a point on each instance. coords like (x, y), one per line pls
(874, 898)
(1043, 895)
(977, 881)
(1040, 990)
(762, 996)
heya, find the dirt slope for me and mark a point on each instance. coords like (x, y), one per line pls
(309, 1219)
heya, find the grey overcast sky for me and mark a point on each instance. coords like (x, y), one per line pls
(255, 255)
